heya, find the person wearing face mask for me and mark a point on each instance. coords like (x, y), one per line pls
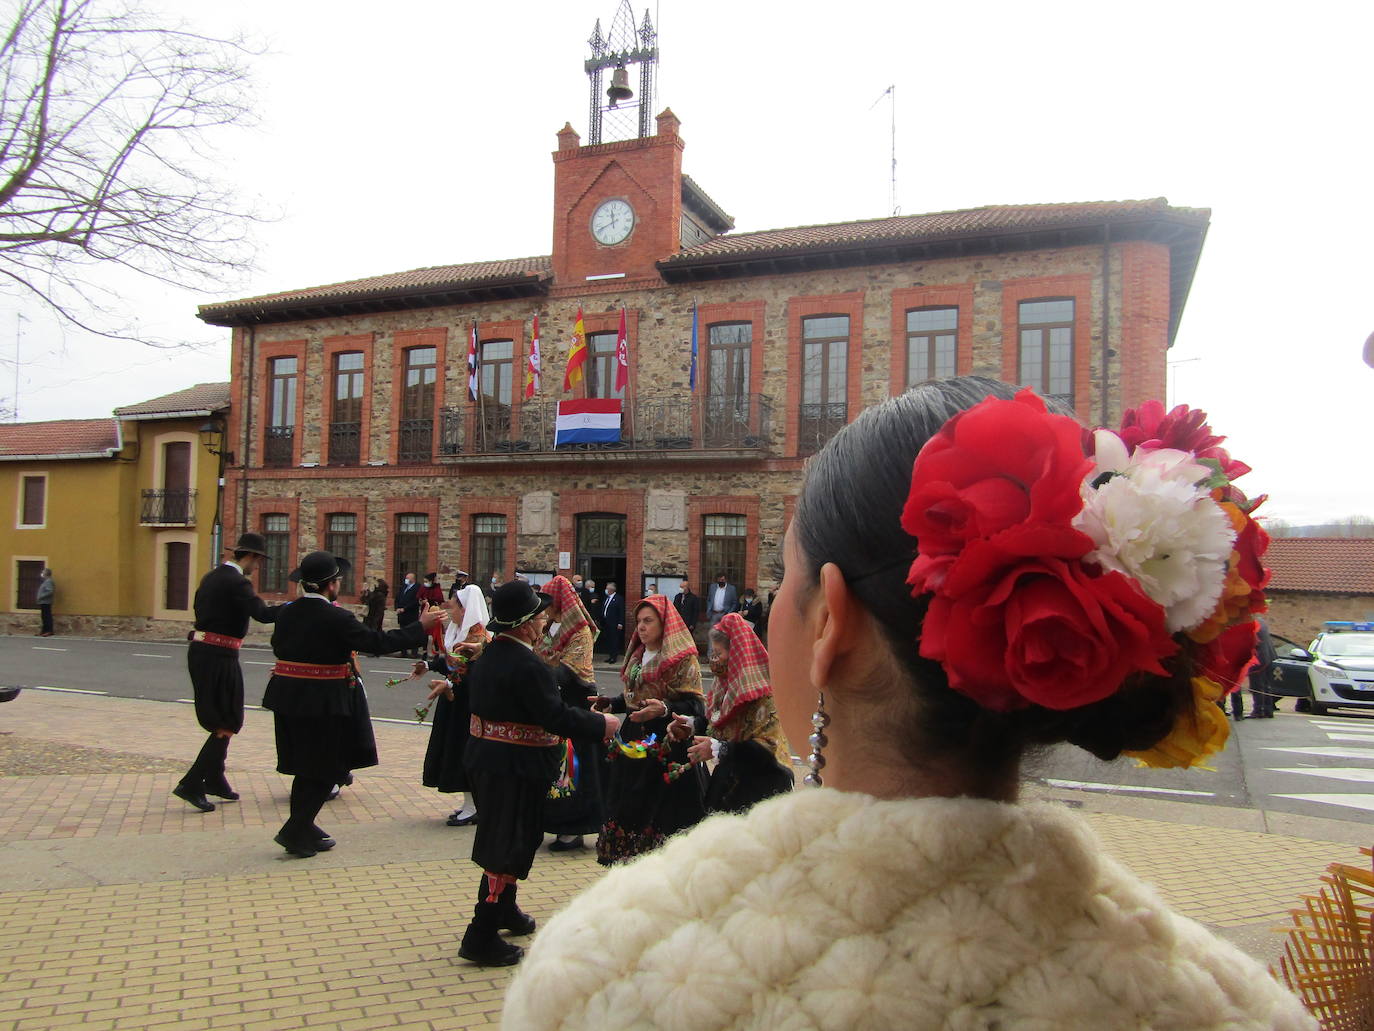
(612, 618)
(722, 598)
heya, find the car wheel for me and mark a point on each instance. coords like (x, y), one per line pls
(1319, 708)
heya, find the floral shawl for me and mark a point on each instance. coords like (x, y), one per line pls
(676, 670)
(576, 636)
(739, 705)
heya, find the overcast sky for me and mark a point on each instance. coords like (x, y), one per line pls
(418, 133)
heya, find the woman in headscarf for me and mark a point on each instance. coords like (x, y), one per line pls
(743, 732)
(574, 807)
(375, 600)
(464, 639)
(654, 790)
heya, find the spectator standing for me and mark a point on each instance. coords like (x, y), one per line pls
(688, 606)
(612, 623)
(408, 605)
(721, 599)
(432, 594)
(1262, 702)
(47, 590)
(752, 610)
(375, 601)
(460, 580)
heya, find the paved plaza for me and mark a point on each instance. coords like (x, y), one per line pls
(124, 908)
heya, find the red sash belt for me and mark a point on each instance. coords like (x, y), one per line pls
(311, 671)
(218, 640)
(513, 733)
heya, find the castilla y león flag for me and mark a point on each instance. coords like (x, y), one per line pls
(594, 421)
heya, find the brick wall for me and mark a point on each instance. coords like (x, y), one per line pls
(1299, 616)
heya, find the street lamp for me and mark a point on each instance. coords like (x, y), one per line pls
(212, 439)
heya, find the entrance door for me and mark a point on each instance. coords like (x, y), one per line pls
(601, 549)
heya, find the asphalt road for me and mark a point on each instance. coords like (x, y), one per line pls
(1320, 766)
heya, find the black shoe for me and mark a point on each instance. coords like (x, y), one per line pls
(566, 846)
(194, 797)
(495, 952)
(347, 781)
(1254, 716)
(322, 841)
(222, 790)
(455, 820)
(333, 793)
(520, 923)
(295, 846)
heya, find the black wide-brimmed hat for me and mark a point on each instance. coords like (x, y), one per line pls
(515, 603)
(253, 543)
(318, 568)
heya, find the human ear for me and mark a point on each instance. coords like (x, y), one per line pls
(834, 618)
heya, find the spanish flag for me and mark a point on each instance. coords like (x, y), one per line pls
(577, 357)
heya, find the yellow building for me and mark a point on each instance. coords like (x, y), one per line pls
(123, 510)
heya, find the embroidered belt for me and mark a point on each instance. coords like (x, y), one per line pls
(218, 640)
(513, 733)
(311, 671)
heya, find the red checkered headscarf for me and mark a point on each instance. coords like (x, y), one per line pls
(746, 671)
(567, 611)
(676, 648)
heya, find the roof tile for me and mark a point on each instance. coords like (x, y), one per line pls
(63, 437)
(1325, 565)
(203, 397)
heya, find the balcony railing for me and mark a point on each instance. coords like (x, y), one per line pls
(648, 424)
(416, 441)
(276, 446)
(817, 423)
(168, 508)
(345, 440)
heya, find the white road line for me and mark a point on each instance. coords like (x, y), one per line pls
(45, 648)
(1347, 725)
(148, 655)
(66, 690)
(1330, 751)
(1353, 773)
(1365, 802)
(256, 662)
(388, 719)
(1366, 738)
(1089, 786)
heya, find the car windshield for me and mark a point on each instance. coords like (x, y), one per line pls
(1348, 645)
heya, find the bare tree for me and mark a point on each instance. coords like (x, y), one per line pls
(1278, 527)
(104, 115)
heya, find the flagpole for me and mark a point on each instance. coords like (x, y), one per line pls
(481, 406)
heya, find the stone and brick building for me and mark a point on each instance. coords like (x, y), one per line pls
(1315, 579)
(354, 430)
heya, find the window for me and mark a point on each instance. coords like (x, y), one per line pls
(602, 364)
(341, 540)
(417, 405)
(27, 576)
(281, 412)
(723, 549)
(727, 360)
(496, 367)
(488, 547)
(33, 501)
(931, 344)
(176, 575)
(276, 531)
(410, 546)
(825, 356)
(346, 418)
(1046, 358)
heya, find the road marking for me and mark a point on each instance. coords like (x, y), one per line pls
(388, 672)
(148, 655)
(388, 719)
(66, 690)
(1355, 773)
(1365, 802)
(1089, 786)
(1331, 751)
(45, 648)
(1367, 738)
(256, 662)
(1343, 725)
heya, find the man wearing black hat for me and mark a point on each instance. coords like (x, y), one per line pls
(512, 758)
(224, 603)
(319, 709)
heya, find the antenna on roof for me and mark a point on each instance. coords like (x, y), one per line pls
(891, 94)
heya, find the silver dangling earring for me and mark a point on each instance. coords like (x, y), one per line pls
(820, 719)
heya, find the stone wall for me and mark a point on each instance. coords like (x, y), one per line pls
(1299, 615)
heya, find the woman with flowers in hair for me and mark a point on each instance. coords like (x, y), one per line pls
(743, 734)
(462, 642)
(574, 805)
(968, 577)
(645, 802)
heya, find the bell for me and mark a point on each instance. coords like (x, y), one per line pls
(620, 87)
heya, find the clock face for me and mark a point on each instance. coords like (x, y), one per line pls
(612, 222)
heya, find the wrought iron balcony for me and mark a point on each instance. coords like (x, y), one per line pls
(740, 423)
(817, 423)
(276, 446)
(416, 441)
(168, 508)
(345, 440)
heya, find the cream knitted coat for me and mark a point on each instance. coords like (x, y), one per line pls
(837, 911)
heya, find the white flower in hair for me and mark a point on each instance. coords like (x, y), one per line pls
(1152, 521)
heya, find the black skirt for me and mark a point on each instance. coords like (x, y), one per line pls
(448, 734)
(746, 774)
(327, 747)
(583, 810)
(642, 807)
(510, 829)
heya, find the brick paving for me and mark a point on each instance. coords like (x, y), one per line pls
(124, 908)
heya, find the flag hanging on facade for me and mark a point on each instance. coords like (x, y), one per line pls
(622, 356)
(472, 364)
(592, 421)
(577, 357)
(532, 371)
(692, 373)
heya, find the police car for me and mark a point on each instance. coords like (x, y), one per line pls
(1339, 664)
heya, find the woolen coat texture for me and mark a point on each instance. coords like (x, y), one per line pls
(837, 911)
